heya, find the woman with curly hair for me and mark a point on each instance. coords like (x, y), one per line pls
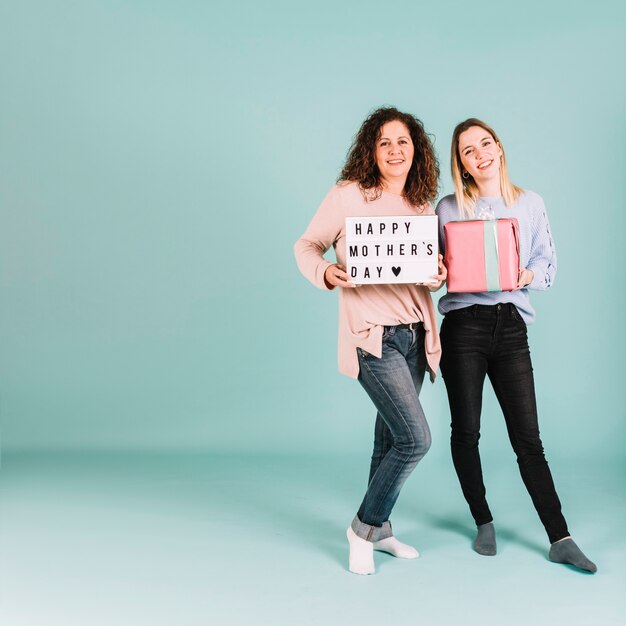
(388, 334)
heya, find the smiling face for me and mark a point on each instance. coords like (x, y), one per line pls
(480, 155)
(394, 155)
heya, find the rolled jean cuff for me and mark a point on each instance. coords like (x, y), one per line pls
(371, 533)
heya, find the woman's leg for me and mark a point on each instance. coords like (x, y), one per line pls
(392, 386)
(465, 338)
(511, 375)
(383, 439)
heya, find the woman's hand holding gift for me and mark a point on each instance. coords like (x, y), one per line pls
(525, 278)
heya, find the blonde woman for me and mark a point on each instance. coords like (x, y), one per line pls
(484, 334)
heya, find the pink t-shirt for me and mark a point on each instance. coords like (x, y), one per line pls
(364, 311)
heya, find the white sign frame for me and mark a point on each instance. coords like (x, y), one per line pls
(396, 249)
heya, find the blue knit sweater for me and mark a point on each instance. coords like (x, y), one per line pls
(537, 251)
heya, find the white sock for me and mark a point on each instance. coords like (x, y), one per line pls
(361, 560)
(396, 548)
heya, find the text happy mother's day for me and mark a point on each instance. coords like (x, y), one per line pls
(396, 249)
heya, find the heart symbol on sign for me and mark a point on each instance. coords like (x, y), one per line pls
(395, 270)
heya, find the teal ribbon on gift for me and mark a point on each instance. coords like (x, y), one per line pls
(492, 266)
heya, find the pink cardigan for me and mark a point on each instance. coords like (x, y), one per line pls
(364, 311)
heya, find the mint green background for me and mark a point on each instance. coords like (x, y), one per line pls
(159, 159)
(178, 447)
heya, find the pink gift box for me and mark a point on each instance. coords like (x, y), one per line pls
(482, 255)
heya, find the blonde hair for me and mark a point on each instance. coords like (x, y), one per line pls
(466, 189)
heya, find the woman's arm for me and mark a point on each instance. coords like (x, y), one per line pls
(542, 260)
(320, 235)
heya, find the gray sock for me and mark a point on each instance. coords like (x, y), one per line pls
(485, 542)
(566, 551)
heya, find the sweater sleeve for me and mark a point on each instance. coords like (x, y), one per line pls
(446, 211)
(320, 235)
(542, 260)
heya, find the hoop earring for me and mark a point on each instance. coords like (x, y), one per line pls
(465, 175)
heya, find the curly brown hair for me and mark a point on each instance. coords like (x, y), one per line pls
(421, 185)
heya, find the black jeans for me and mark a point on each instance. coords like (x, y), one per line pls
(484, 340)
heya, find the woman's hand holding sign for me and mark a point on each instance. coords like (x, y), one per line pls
(334, 276)
(440, 277)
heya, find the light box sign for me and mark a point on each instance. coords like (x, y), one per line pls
(382, 250)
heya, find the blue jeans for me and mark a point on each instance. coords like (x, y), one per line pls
(491, 340)
(402, 436)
